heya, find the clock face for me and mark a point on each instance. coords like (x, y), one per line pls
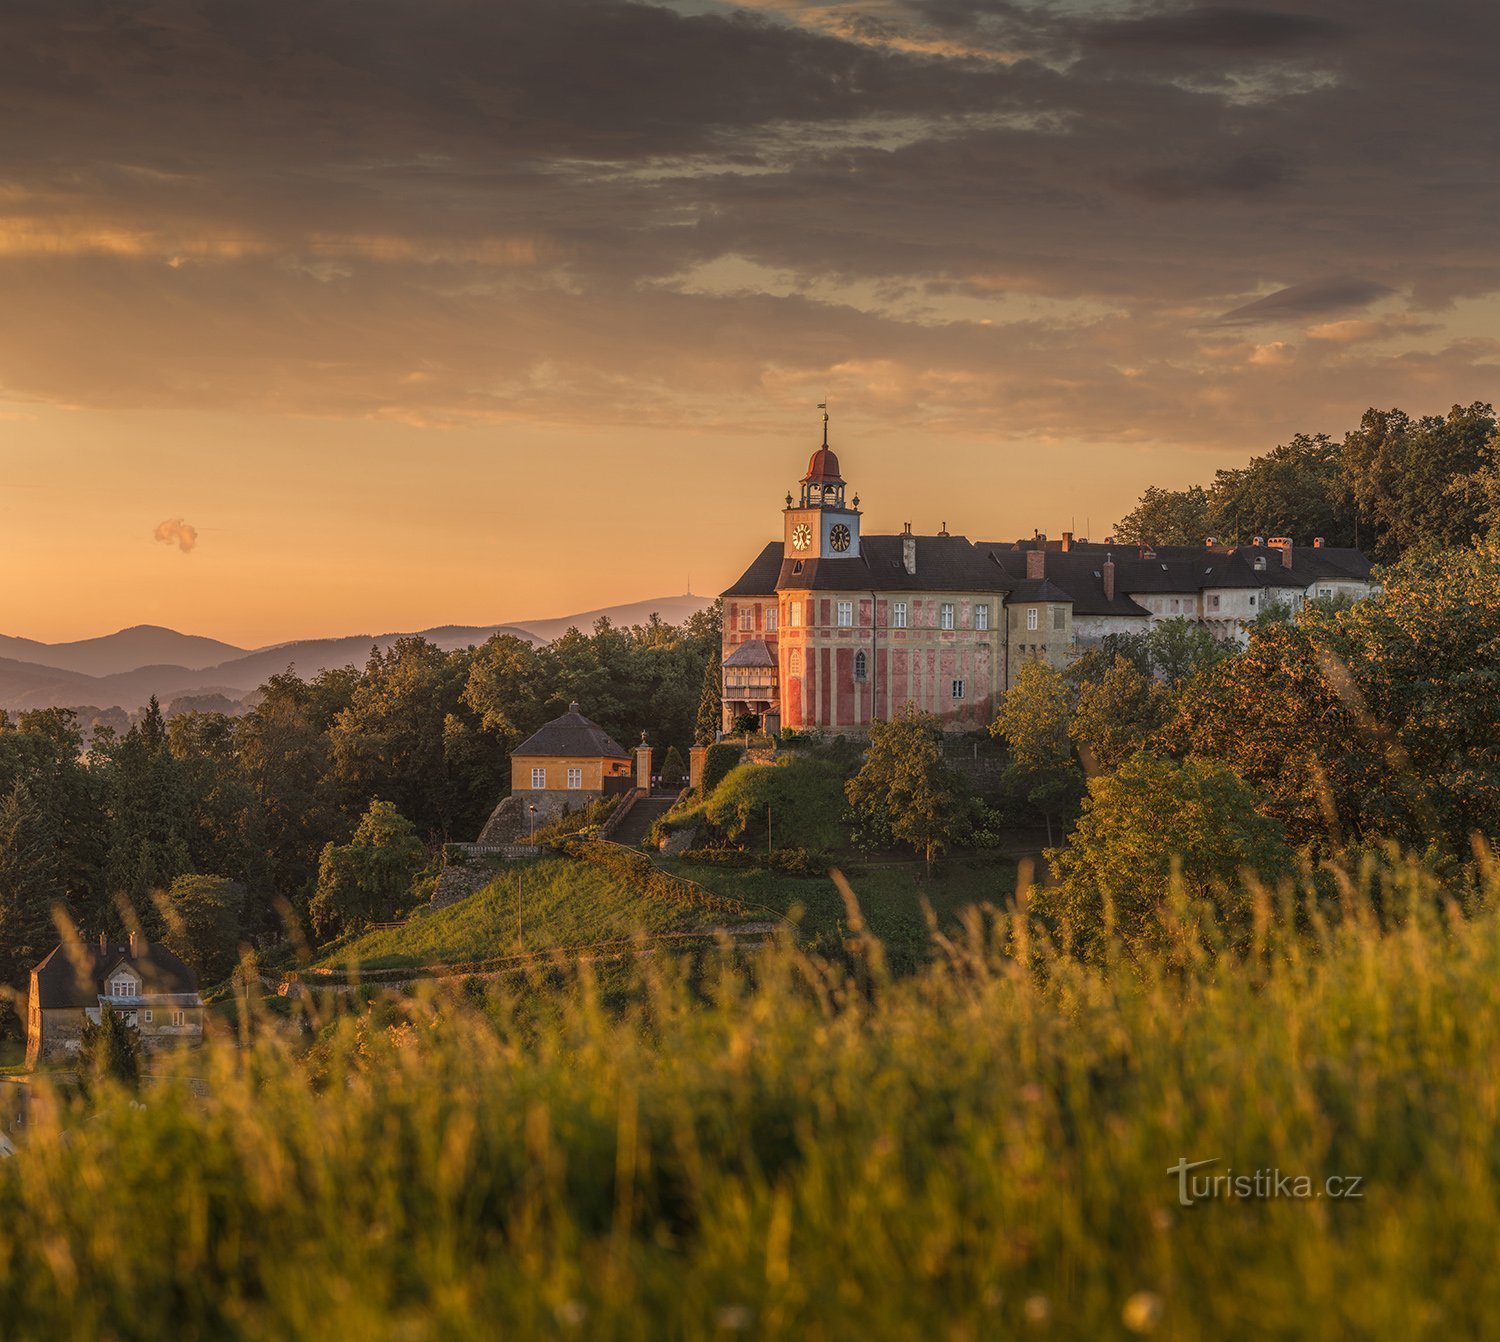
(801, 536)
(839, 537)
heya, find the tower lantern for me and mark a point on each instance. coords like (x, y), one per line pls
(820, 525)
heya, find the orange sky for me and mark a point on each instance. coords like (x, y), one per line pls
(459, 313)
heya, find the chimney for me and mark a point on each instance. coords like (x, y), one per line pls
(1036, 563)
(1107, 570)
(1258, 540)
(137, 945)
(103, 943)
(1210, 541)
(944, 530)
(1067, 543)
(908, 550)
(1286, 555)
(1317, 542)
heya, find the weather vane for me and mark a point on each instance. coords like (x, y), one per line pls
(823, 406)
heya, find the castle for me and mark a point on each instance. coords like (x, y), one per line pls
(829, 628)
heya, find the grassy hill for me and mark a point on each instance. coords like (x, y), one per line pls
(563, 903)
(891, 897)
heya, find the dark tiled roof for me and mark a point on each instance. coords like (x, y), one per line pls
(752, 652)
(1038, 589)
(760, 578)
(944, 564)
(1080, 576)
(75, 979)
(571, 734)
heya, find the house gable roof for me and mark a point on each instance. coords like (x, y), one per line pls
(572, 734)
(76, 978)
(752, 652)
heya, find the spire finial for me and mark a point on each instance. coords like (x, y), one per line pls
(823, 406)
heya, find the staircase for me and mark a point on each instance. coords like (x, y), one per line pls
(634, 828)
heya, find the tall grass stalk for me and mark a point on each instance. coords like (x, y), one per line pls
(804, 1147)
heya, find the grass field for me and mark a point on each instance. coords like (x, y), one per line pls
(781, 1146)
(563, 903)
(891, 898)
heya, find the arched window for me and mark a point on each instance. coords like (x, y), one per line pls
(860, 666)
(794, 663)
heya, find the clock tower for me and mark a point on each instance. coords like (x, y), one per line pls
(820, 526)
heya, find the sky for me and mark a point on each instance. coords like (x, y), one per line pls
(341, 316)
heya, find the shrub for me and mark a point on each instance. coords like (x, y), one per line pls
(721, 758)
(803, 797)
(366, 879)
(1157, 835)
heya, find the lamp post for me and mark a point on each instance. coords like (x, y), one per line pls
(532, 808)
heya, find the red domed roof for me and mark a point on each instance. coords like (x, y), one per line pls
(823, 469)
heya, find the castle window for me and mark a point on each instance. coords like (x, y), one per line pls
(794, 663)
(538, 778)
(898, 615)
(770, 619)
(178, 1017)
(861, 666)
(982, 617)
(958, 689)
(846, 614)
(1059, 618)
(945, 615)
(1031, 617)
(746, 621)
(575, 778)
(1213, 602)
(794, 614)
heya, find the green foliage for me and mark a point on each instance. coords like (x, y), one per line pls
(1167, 517)
(906, 790)
(110, 1050)
(1180, 649)
(1409, 477)
(721, 758)
(562, 903)
(204, 916)
(367, 879)
(1379, 720)
(1152, 831)
(1297, 489)
(1119, 714)
(1033, 719)
(676, 1153)
(746, 722)
(711, 697)
(803, 797)
(30, 887)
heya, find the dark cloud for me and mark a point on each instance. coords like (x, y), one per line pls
(1315, 298)
(1223, 30)
(450, 211)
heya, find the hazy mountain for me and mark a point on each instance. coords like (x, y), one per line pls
(127, 668)
(128, 650)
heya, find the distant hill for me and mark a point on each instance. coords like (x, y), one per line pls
(128, 650)
(125, 669)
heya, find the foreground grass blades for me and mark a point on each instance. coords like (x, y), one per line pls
(787, 1146)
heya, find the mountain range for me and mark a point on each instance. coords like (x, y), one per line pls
(125, 669)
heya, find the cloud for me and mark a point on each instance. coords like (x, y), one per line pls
(1223, 30)
(174, 531)
(1311, 299)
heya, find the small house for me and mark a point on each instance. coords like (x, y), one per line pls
(151, 988)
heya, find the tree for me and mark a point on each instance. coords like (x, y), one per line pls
(1118, 715)
(710, 716)
(1297, 489)
(365, 880)
(1167, 517)
(673, 770)
(508, 687)
(1179, 649)
(110, 1049)
(1147, 826)
(204, 917)
(1411, 478)
(225, 834)
(905, 788)
(30, 885)
(149, 826)
(1033, 721)
(408, 735)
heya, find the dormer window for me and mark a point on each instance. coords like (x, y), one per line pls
(122, 987)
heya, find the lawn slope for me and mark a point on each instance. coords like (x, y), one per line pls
(563, 903)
